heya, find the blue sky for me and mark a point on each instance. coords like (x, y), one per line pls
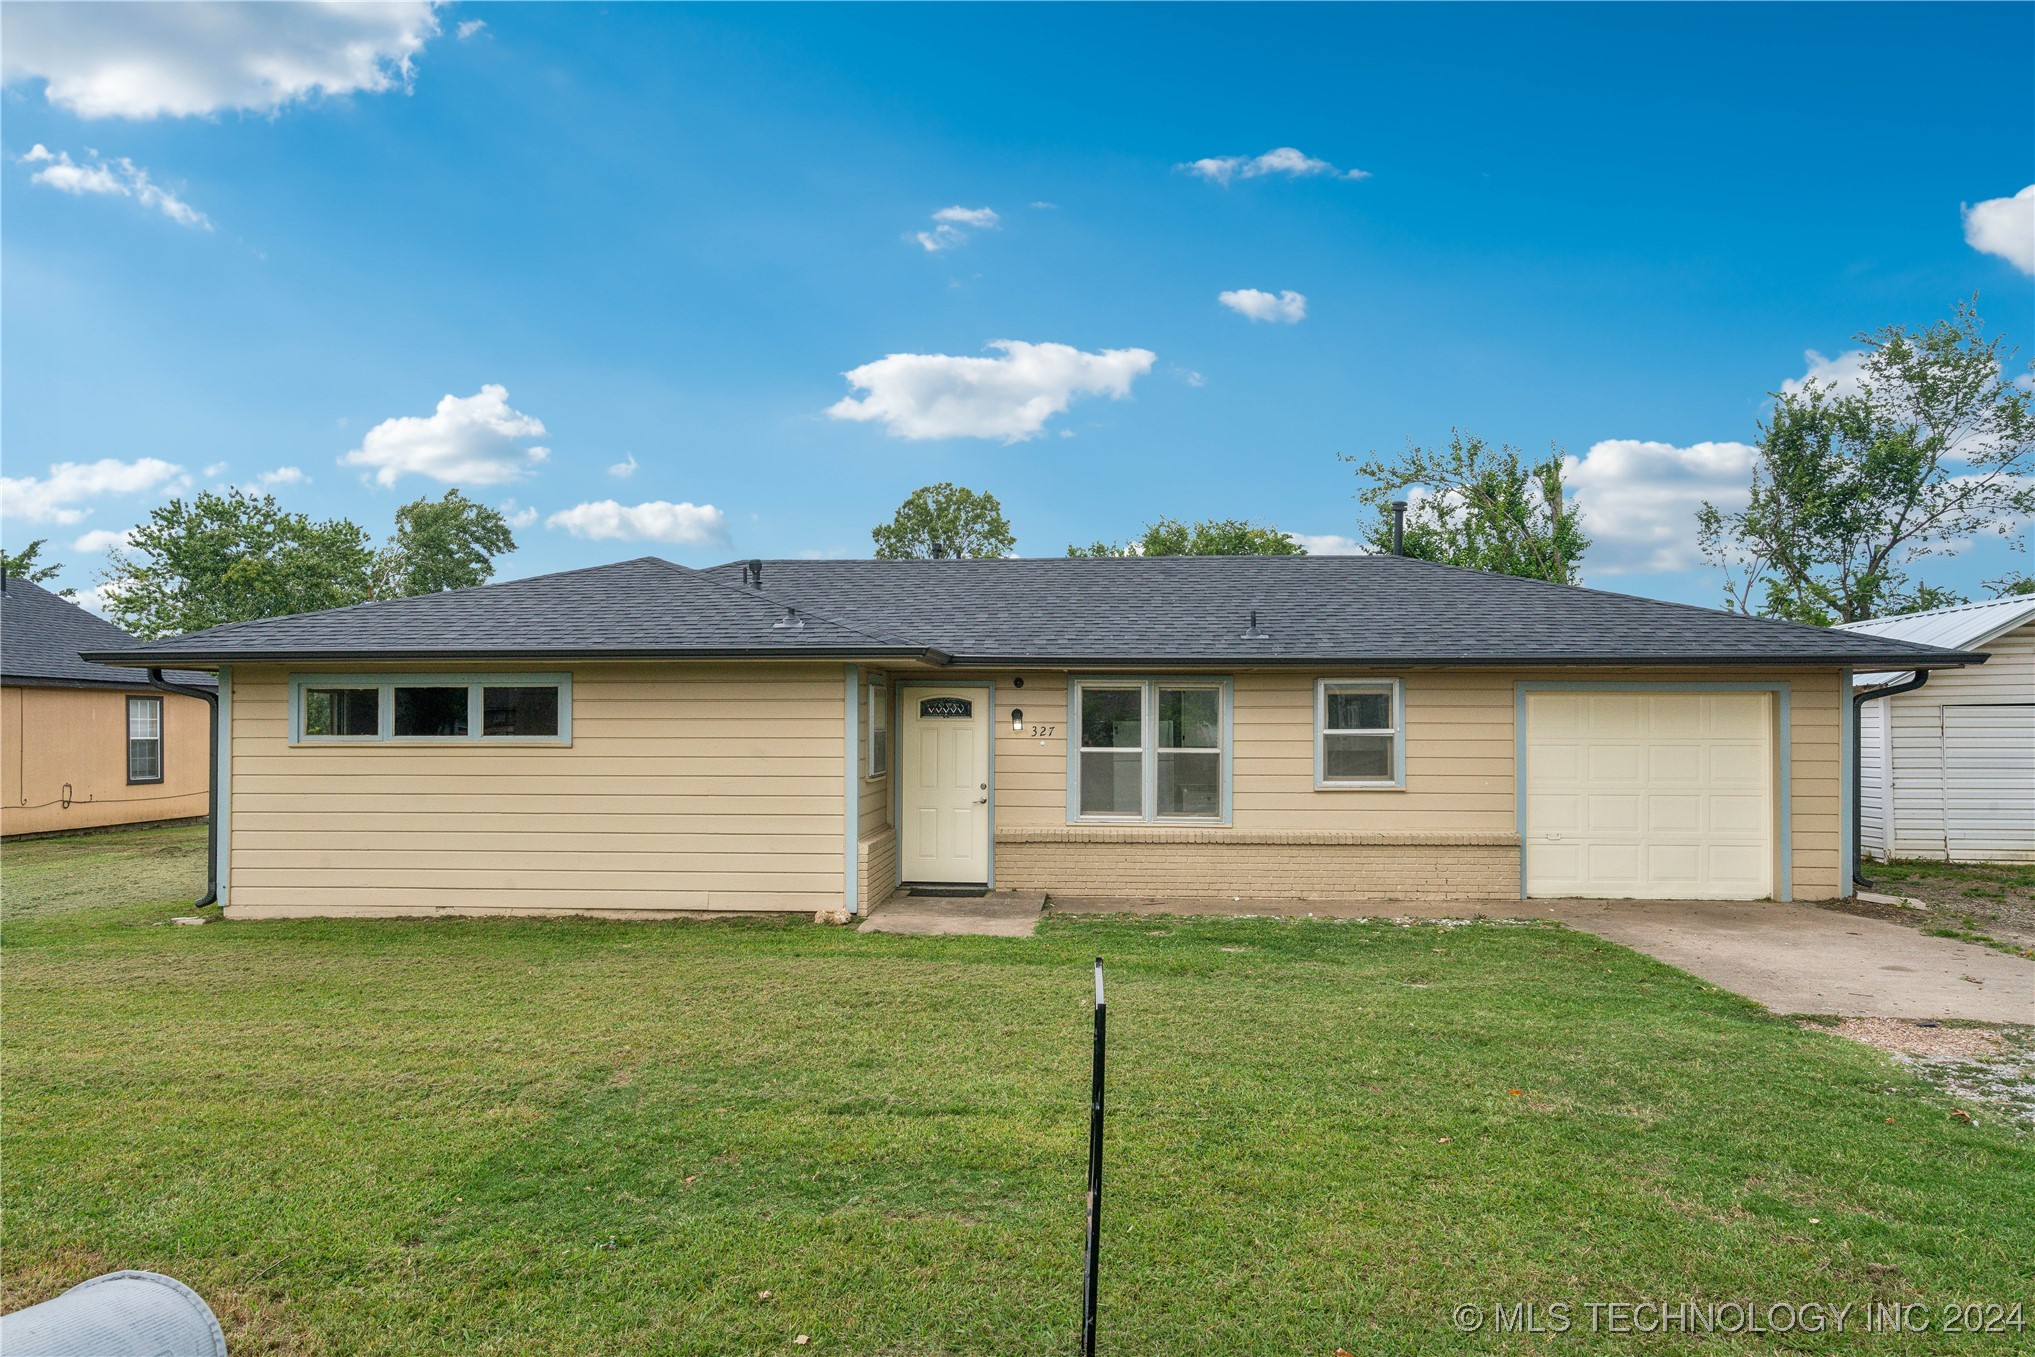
(662, 235)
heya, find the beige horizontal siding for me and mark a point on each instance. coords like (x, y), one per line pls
(1460, 766)
(685, 788)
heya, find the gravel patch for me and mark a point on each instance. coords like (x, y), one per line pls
(1984, 1071)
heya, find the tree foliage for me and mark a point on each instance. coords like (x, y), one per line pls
(1475, 505)
(1210, 537)
(232, 557)
(1851, 488)
(450, 543)
(944, 520)
(26, 564)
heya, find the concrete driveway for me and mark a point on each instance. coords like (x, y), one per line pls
(1791, 958)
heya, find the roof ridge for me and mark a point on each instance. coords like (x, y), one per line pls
(757, 593)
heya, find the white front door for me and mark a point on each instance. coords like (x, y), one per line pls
(1650, 795)
(943, 753)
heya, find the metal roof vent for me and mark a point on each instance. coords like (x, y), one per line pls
(1252, 632)
(791, 621)
(752, 573)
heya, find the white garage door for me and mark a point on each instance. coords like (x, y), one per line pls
(1989, 783)
(1648, 796)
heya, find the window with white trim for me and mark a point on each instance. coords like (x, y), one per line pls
(1150, 749)
(431, 708)
(144, 739)
(1358, 740)
(876, 754)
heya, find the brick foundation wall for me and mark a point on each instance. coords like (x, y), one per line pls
(1140, 863)
(876, 868)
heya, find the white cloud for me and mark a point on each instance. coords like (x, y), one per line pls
(937, 395)
(283, 475)
(101, 540)
(1330, 544)
(57, 497)
(518, 518)
(475, 439)
(624, 469)
(181, 60)
(469, 27)
(216, 469)
(1286, 308)
(693, 525)
(952, 226)
(119, 177)
(93, 599)
(1841, 374)
(2005, 227)
(1282, 160)
(1638, 499)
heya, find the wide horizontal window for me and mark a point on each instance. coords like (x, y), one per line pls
(431, 708)
(1357, 737)
(1149, 749)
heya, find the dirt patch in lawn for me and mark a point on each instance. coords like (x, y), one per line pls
(1986, 1071)
(1985, 902)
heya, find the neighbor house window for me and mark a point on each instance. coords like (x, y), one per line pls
(1358, 739)
(144, 739)
(431, 708)
(1150, 749)
(876, 760)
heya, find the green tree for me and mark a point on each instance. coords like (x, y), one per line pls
(1479, 506)
(450, 543)
(24, 565)
(1210, 537)
(232, 557)
(1850, 489)
(944, 520)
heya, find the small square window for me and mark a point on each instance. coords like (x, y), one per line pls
(426, 713)
(1356, 732)
(343, 711)
(519, 711)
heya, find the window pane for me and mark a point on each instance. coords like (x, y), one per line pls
(1356, 758)
(144, 760)
(1112, 783)
(517, 711)
(879, 729)
(1190, 718)
(144, 718)
(342, 711)
(1190, 784)
(1112, 718)
(1357, 709)
(431, 711)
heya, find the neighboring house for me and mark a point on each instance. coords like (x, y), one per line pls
(642, 738)
(87, 745)
(1947, 770)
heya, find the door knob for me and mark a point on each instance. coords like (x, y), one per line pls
(981, 800)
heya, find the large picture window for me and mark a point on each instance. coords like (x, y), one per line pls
(1358, 739)
(1150, 749)
(431, 708)
(144, 739)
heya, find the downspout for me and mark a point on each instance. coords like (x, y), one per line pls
(211, 699)
(1858, 701)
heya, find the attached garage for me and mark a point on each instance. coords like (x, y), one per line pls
(1651, 795)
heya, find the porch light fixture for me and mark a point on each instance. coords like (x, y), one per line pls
(1017, 718)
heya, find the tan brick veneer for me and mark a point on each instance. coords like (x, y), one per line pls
(1141, 862)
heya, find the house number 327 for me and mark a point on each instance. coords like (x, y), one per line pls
(1042, 730)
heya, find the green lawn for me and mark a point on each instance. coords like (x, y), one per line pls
(581, 1137)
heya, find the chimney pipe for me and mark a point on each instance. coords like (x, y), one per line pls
(1398, 527)
(754, 571)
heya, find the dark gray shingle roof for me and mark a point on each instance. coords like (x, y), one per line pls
(42, 634)
(1177, 610)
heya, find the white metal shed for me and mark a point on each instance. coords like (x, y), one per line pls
(1947, 770)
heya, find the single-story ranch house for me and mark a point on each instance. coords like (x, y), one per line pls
(89, 746)
(646, 739)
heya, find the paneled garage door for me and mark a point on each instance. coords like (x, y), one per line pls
(1650, 795)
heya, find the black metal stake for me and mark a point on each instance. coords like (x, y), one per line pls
(1094, 1173)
